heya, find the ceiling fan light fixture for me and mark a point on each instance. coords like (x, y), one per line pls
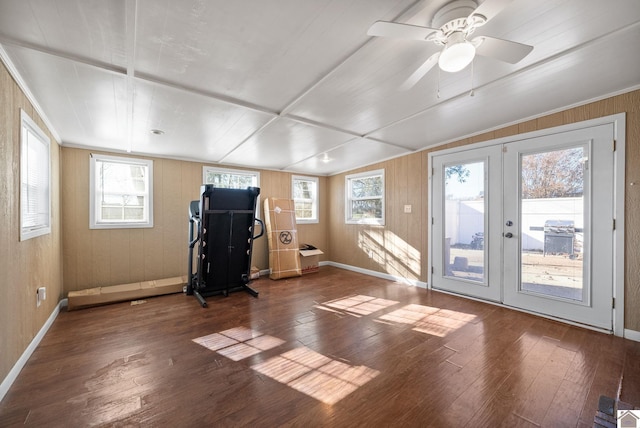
(457, 54)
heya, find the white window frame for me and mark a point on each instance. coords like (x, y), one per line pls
(35, 179)
(314, 199)
(95, 194)
(348, 198)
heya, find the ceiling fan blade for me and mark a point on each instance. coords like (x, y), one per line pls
(504, 50)
(490, 8)
(399, 31)
(420, 72)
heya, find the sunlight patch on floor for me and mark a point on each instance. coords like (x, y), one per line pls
(316, 375)
(238, 343)
(429, 320)
(356, 305)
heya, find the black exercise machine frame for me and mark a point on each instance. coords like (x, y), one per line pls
(235, 275)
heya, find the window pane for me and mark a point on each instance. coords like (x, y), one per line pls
(368, 208)
(35, 202)
(552, 223)
(464, 221)
(366, 187)
(303, 189)
(131, 200)
(133, 213)
(364, 197)
(122, 184)
(304, 209)
(231, 180)
(122, 178)
(111, 213)
(121, 192)
(305, 196)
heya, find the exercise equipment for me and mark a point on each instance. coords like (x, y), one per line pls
(221, 227)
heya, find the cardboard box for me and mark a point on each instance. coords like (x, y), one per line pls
(282, 236)
(310, 261)
(255, 272)
(123, 292)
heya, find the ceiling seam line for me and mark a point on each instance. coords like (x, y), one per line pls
(250, 136)
(321, 125)
(123, 71)
(336, 67)
(345, 131)
(131, 30)
(310, 122)
(344, 143)
(218, 97)
(114, 69)
(507, 76)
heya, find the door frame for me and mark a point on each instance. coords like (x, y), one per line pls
(619, 129)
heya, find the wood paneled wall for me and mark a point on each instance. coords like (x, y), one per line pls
(403, 240)
(36, 262)
(95, 258)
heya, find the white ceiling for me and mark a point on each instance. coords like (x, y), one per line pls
(277, 84)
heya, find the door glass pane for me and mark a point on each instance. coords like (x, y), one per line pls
(464, 221)
(552, 223)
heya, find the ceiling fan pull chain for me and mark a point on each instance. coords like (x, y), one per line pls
(438, 93)
(472, 93)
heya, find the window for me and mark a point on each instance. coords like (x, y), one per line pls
(35, 180)
(230, 178)
(364, 197)
(121, 192)
(305, 197)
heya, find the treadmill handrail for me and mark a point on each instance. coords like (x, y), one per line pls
(261, 228)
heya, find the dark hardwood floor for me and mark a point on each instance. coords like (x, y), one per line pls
(334, 348)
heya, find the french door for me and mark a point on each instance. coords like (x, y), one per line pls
(529, 223)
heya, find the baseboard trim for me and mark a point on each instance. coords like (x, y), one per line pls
(632, 335)
(382, 275)
(22, 361)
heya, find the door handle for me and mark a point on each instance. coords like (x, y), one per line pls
(508, 235)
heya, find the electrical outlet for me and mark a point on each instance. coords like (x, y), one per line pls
(41, 294)
(407, 209)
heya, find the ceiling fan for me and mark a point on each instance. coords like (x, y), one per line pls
(452, 26)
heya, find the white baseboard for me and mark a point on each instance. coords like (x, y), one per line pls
(382, 275)
(632, 335)
(15, 371)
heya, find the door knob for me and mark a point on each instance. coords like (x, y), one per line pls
(508, 235)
